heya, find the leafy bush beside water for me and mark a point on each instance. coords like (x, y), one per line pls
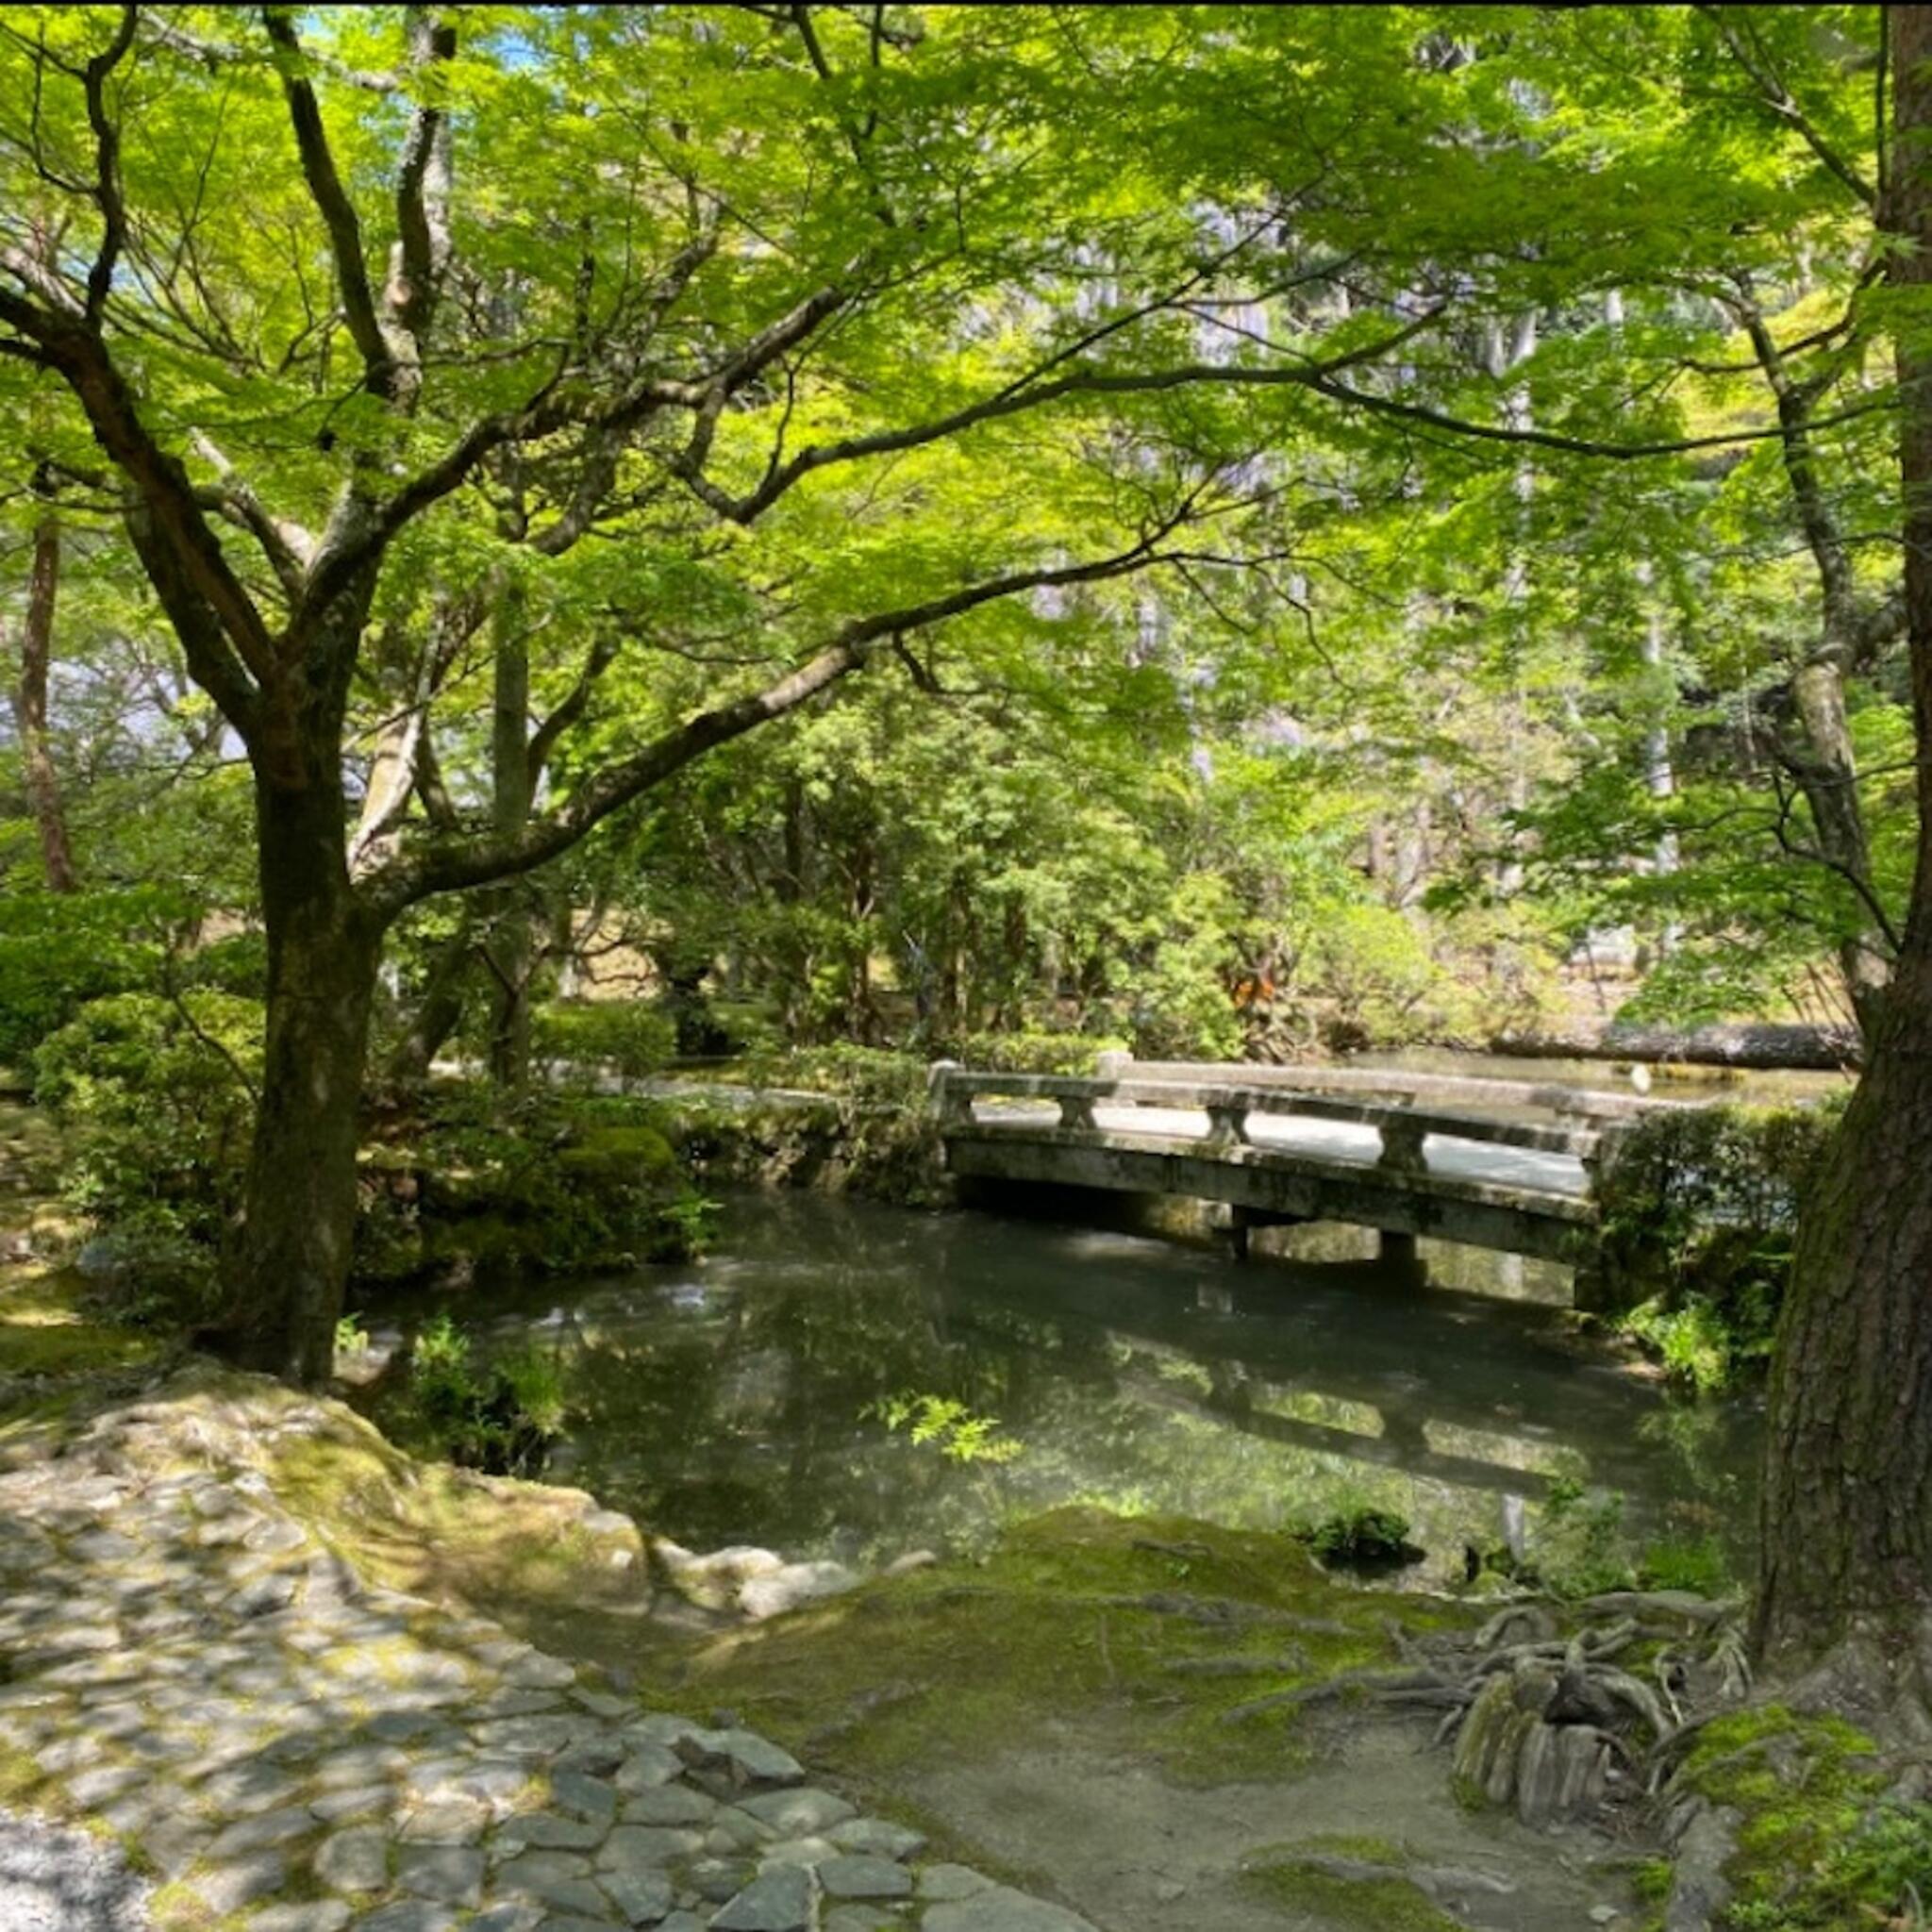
(1700, 1212)
(501, 1417)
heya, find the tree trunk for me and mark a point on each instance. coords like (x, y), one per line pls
(30, 708)
(289, 1261)
(1847, 1500)
(513, 787)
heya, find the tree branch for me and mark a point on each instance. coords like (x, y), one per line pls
(332, 202)
(100, 277)
(456, 866)
(1776, 97)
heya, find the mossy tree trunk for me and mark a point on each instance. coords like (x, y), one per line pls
(1847, 1507)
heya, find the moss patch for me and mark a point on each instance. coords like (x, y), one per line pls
(1078, 1620)
(1363, 1905)
(1817, 1849)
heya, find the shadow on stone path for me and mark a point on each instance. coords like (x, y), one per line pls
(287, 1749)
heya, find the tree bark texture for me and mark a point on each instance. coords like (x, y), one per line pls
(30, 709)
(289, 1261)
(1847, 1497)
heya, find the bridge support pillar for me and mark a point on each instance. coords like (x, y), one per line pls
(1396, 1249)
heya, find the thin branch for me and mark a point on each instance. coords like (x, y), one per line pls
(332, 202)
(453, 867)
(100, 277)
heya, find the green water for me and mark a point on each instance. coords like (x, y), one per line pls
(731, 1400)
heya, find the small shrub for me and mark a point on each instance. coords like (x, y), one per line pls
(501, 1419)
(628, 1037)
(1363, 1539)
(152, 1103)
(1577, 1548)
(1075, 1053)
(60, 950)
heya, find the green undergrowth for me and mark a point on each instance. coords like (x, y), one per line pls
(1820, 1847)
(1699, 1213)
(1077, 1620)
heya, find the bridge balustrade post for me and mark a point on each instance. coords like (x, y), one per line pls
(1227, 1126)
(951, 1101)
(1077, 1110)
(1402, 1147)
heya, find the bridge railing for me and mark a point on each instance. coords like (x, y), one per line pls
(1401, 1125)
(1399, 1086)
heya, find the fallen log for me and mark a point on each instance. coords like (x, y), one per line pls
(1751, 1046)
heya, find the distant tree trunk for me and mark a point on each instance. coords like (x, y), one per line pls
(30, 708)
(512, 788)
(1847, 1499)
(1820, 754)
(289, 1263)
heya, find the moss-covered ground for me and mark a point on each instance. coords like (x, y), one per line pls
(1822, 1846)
(1135, 1628)
(50, 1332)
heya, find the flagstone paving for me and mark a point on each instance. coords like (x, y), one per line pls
(186, 1670)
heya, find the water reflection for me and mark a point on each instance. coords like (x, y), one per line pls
(725, 1401)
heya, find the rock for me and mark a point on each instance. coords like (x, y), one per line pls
(858, 1874)
(643, 1897)
(227, 1886)
(780, 1900)
(1603, 1915)
(256, 1834)
(549, 1832)
(911, 1560)
(1699, 1889)
(320, 1915)
(859, 1919)
(712, 1582)
(798, 1850)
(738, 1758)
(631, 1847)
(648, 1764)
(587, 1797)
(718, 1879)
(878, 1836)
(354, 1860)
(787, 1587)
(553, 1878)
(514, 1917)
(669, 1804)
(1000, 1909)
(449, 1872)
(945, 1882)
(799, 1813)
(409, 1915)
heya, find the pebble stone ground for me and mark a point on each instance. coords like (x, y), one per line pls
(223, 1705)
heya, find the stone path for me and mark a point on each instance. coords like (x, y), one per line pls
(284, 1748)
